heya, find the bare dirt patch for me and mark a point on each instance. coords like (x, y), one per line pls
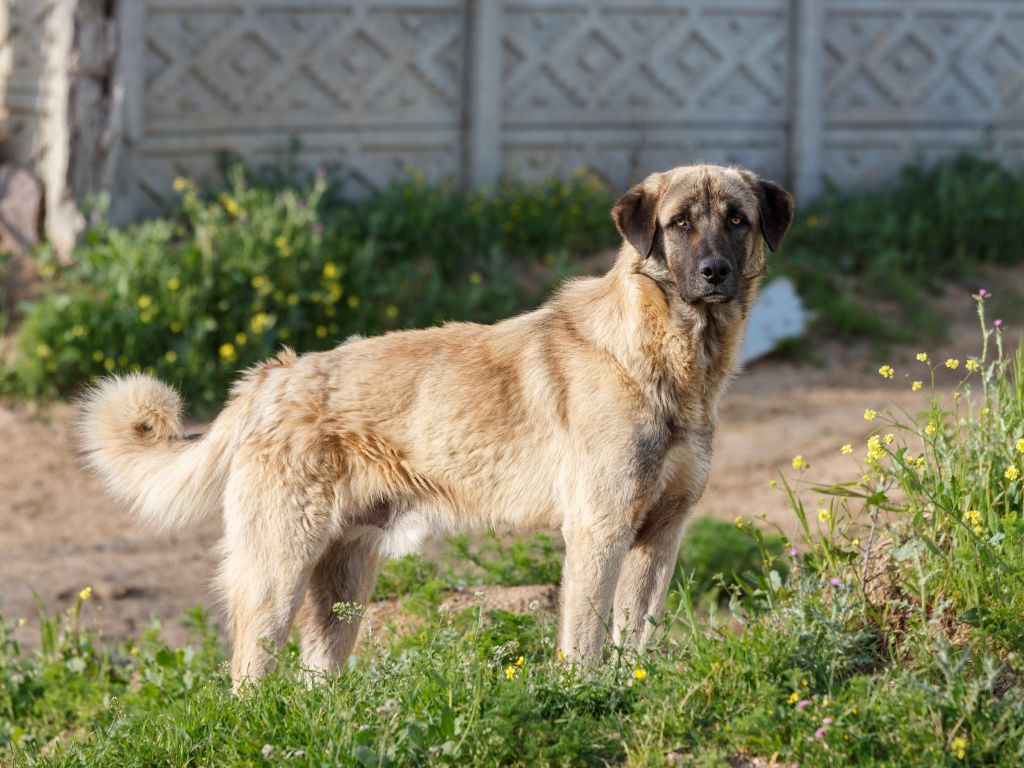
(58, 532)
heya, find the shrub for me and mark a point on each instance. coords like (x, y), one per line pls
(222, 285)
(855, 252)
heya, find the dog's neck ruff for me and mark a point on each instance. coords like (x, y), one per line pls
(693, 348)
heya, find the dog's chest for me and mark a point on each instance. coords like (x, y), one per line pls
(669, 454)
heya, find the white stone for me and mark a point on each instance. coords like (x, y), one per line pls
(778, 314)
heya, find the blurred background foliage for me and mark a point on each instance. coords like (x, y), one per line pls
(234, 275)
(277, 257)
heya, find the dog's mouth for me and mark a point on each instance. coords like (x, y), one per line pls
(717, 297)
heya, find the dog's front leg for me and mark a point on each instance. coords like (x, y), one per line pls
(593, 559)
(646, 573)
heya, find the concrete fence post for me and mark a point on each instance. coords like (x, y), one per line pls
(126, 106)
(483, 92)
(806, 125)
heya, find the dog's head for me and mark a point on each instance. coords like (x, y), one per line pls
(700, 230)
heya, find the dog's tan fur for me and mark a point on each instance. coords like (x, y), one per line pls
(593, 414)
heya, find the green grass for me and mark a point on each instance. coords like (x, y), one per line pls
(891, 636)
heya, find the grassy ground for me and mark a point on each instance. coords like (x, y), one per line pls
(890, 635)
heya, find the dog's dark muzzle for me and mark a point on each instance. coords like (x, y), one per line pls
(716, 279)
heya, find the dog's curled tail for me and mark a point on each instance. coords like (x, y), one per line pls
(130, 435)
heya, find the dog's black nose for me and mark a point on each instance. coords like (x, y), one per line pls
(715, 271)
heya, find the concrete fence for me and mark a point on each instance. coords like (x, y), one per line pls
(124, 95)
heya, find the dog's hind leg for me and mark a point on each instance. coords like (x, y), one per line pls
(345, 573)
(272, 539)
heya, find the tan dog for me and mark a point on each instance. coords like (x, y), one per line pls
(593, 414)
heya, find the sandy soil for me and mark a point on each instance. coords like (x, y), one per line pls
(59, 533)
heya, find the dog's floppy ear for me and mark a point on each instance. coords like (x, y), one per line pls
(775, 210)
(636, 216)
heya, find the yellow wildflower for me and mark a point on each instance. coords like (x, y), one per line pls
(174, 284)
(175, 326)
(886, 372)
(640, 674)
(258, 322)
(171, 356)
(281, 243)
(352, 301)
(230, 204)
(97, 355)
(799, 463)
(875, 449)
(922, 357)
(144, 301)
(520, 661)
(562, 656)
(870, 414)
(391, 311)
(739, 521)
(824, 515)
(43, 350)
(889, 438)
(959, 747)
(109, 364)
(916, 386)
(1011, 473)
(510, 672)
(1020, 445)
(475, 278)
(952, 363)
(972, 365)
(794, 697)
(330, 270)
(972, 516)
(846, 450)
(930, 428)
(227, 351)
(985, 411)
(855, 543)
(321, 331)
(180, 184)
(772, 484)
(85, 594)
(292, 300)
(240, 339)
(258, 281)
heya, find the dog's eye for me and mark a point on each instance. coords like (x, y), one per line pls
(681, 222)
(736, 220)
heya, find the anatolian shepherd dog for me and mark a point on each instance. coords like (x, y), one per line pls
(593, 414)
